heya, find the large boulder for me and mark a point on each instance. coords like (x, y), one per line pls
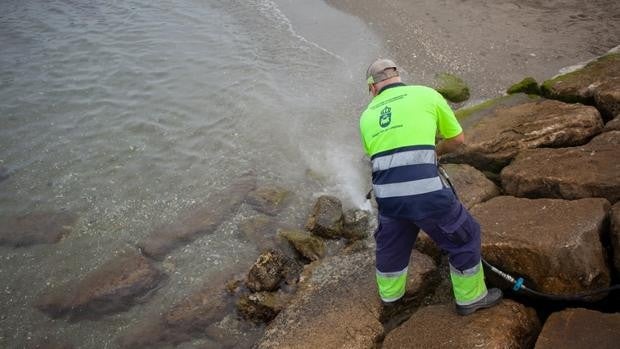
(506, 325)
(569, 173)
(597, 82)
(114, 286)
(471, 185)
(35, 228)
(580, 328)
(615, 234)
(496, 139)
(607, 96)
(554, 244)
(326, 218)
(183, 321)
(200, 221)
(337, 305)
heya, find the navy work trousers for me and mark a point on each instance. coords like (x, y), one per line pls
(455, 232)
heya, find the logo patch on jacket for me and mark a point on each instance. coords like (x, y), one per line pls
(386, 117)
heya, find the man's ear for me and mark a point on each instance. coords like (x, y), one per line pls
(373, 89)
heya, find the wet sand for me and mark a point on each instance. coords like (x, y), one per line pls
(490, 43)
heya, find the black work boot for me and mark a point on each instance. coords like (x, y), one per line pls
(494, 296)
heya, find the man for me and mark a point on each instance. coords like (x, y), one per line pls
(398, 131)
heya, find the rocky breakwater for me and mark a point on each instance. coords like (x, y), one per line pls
(556, 222)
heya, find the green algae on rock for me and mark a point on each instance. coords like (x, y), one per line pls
(527, 85)
(452, 87)
(497, 133)
(585, 84)
(309, 246)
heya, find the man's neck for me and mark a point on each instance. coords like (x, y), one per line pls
(388, 86)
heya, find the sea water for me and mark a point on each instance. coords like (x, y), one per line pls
(130, 113)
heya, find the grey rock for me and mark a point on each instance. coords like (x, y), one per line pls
(326, 218)
(356, 224)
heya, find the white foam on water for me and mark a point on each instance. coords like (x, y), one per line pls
(270, 9)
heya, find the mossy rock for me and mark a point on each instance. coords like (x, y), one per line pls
(309, 246)
(527, 85)
(452, 87)
(579, 86)
(470, 115)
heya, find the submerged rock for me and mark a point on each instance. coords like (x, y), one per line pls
(183, 321)
(615, 234)
(507, 325)
(527, 85)
(260, 230)
(270, 270)
(35, 228)
(326, 218)
(554, 244)
(201, 221)
(471, 185)
(4, 173)
(309, 246)
(114, 286)
(50, 343)
(262, 306)
(596, 83)
(452, 88)
(496, 139)
(569, 173)
(337, 305)
(269, 199)
(580, 328)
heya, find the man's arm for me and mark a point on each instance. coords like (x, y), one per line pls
(450, 145)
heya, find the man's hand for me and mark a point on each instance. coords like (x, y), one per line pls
(450, 145)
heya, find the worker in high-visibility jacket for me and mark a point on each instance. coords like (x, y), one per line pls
(398, 130)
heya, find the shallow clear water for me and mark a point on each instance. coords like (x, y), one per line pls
(130, 113)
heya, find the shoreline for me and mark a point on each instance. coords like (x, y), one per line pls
(490, 44)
